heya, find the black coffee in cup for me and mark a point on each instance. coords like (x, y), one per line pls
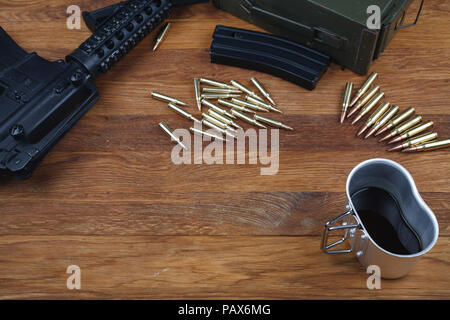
(382, 216)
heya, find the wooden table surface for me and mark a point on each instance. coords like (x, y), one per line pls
(109, 199)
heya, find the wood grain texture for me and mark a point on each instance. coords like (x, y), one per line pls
(109, 199)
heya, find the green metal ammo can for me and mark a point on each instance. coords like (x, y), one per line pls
(346, 30)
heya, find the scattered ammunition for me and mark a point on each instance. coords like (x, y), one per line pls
(415, 141)
(220, 90)
(216, 83)
(366, 109)
(262, 104)
(234, 106)
(194, 130)
(263, 90)
(383, 120)
(217, 109)
(414, 131)
(364, 87)
(248, 105)
(374, 117)
(397, 120)
(403, 127)
(245, 89)
(162, 97)
(272, 122)
(197, 93)
(183, 113)
(167, 130)
(223, 118)
(362, 102)
(346, 101)
(217, 122)
(219, 95)
(247, 118)
(213, 126)
(429, 146)
(161, 35)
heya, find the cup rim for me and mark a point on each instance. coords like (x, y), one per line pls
(416, 195)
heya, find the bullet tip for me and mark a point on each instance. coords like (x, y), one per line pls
(380, 131)
(394, 140)
(356, 119)
(395, 148)
(343, 117)
(370, 133)
(364, 128)
(155, 46)
(355, 99)
(385, 138)
(260, 125)
(352, 111)
(271, 100)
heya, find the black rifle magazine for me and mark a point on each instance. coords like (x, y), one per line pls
(268, 53)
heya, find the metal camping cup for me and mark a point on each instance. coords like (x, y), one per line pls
(358, 228)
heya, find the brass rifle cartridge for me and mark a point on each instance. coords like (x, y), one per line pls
(262, 104)
(345, 103)
(403, 127)
(383, 120)
(243, 88)
(369, 106)
(217, 122)
(161, 35)
(248, 105)
(219, 95)
(429, 146)
(263, 90)
(163, 97)
(271, 122)
(167, 130)
(415, 141)
(414, 131)
(183, 113)
(220, 90)
(197, 93)
(232, 105)
(219, 129)
(247, 118)
(374, 117)
(223, 118)
(217, 108)
(363, 101)
(215, 83)
(366, 85)
(397, 120)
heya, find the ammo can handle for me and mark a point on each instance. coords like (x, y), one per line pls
(401, 26)
(321, 35)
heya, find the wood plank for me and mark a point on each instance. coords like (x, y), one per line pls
(231, 267)
(141, 133)
(194, 213)
(124, 173)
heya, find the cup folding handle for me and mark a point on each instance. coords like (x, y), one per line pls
(344, 226)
